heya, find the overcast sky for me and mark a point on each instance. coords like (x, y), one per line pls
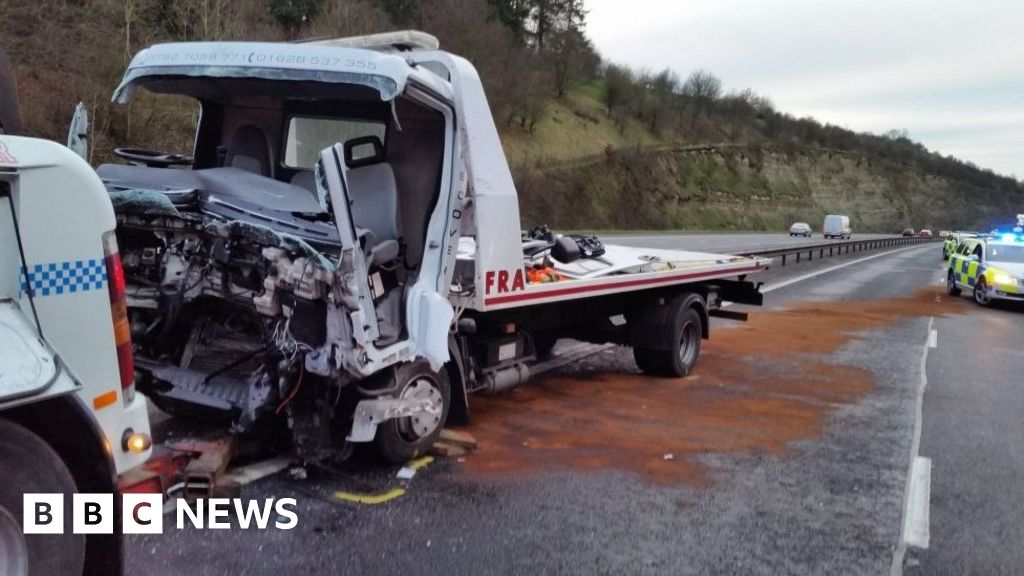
(951, 72)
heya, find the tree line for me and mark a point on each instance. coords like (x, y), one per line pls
(528, 52)
(698, 110)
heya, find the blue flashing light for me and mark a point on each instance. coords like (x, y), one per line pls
(1010, 237)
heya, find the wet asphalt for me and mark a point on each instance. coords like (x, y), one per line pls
(972, 431)
(827, 504)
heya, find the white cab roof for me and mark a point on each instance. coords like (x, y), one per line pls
(386, 73)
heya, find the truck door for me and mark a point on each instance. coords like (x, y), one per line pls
(352, 262)
(78, 133)
(393, 319)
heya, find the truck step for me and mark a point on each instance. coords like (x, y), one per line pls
(224, 393)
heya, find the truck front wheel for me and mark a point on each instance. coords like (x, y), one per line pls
(403, 439)
(31, 465)
(681, 359)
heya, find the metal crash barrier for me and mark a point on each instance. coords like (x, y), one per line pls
(796, 254)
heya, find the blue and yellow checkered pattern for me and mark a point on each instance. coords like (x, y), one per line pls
(70, 277)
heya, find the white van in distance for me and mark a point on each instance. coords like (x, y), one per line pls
(837, 226)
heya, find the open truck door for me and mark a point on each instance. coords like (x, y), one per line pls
(352, 262)
(420, 326)
(78, 133)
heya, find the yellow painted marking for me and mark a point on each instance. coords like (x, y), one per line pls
(371, 499)
(420, 462)
(104, 400)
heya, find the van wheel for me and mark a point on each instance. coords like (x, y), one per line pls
(31, 465)
(402, 439)
(678, 361)
(951, 288)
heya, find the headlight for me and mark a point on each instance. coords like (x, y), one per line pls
(1004, 279)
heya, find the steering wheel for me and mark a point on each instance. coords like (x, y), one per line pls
(152, 158)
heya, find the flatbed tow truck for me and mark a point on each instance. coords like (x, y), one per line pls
(342, 249)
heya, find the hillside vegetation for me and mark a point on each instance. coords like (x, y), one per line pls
(591, 144)
(578, 170)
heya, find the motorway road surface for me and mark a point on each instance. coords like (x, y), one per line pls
(788, 451)
(726, 243)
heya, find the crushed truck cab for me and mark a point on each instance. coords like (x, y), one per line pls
(342, 248)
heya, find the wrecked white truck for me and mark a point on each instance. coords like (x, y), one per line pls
(342, 249)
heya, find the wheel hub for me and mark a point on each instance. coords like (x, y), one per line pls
(686, 345)
(13, 551)
(424, 423)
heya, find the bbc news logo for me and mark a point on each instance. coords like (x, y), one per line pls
(144, 513)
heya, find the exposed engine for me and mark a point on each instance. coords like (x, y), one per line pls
(223, 316)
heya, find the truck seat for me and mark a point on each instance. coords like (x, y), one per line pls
(374, 197)
(249, 150)
(304, 179)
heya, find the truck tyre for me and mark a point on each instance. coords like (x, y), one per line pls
(678, 361)
(402, 439)
(951, 288)
(31, 465)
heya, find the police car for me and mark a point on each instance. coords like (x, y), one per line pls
(953, 239)
(990, 268)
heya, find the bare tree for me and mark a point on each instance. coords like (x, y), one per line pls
(700, 91)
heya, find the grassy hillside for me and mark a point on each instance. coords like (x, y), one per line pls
(577, 169)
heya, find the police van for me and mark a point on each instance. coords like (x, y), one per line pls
(70, 420)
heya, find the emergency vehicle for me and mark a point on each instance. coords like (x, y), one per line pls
(990, 268)
(952, 240)
(70, 420)
(342, 248)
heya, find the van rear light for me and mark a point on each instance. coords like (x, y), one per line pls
(119, 316)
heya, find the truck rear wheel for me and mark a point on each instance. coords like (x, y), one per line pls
(403, 439)
(681, 359)
(31, 465)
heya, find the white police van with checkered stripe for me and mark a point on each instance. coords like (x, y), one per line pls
(69, 417)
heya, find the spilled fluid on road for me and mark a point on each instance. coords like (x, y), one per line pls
(758, 387)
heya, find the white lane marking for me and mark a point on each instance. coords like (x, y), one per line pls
(896, 569)
(259, 470)
(817, 273)
(915, 524)
(933, 339)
